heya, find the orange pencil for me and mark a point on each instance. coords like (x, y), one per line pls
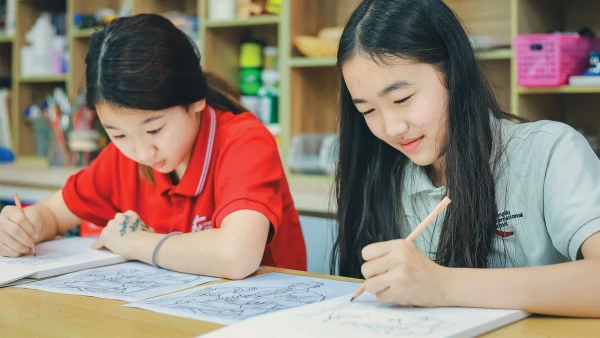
(20, 206)
(416, 232)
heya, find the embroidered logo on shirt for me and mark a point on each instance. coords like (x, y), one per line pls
(200, 223)
(503, 229)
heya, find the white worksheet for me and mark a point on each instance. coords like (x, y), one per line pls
(130, 282)
(365, 317)
(230, 302)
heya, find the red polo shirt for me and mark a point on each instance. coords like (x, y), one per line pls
(235, 165)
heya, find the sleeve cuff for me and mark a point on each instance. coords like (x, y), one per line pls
(581, 235)
(245, 204)
(71, 199)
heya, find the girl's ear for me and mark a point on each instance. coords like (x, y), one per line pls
(197, 107)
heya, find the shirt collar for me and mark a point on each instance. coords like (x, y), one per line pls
(194, 179)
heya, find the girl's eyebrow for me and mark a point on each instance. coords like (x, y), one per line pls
(395, 86)
(150, 119)
(401, 84)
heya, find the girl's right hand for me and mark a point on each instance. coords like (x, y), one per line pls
(19, 230)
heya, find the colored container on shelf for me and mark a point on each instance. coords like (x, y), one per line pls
(548, 60)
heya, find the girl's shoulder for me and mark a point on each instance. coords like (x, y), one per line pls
(539, 137)
(232, 127)
(542, 130)
(542, 144)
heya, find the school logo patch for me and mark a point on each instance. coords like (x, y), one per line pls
(505, 232)
(504, 229)
(200, 223)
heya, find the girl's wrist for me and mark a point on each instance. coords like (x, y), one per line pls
(450, 277)
(142, 246)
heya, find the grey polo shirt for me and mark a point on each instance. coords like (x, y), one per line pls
(547, 191)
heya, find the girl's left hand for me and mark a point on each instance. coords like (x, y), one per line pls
(120, 233)
(398, 272)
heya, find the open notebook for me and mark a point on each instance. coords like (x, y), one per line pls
(56, 258)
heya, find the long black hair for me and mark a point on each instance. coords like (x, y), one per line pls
(145, 62)
(370, 172)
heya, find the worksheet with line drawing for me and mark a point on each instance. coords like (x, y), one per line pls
(365, 317)
(230, 302)
(129, 282)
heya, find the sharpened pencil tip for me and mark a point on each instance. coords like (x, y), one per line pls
(352, 299)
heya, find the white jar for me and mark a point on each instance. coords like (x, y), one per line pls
(222, 9)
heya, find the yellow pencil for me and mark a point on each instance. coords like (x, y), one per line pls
(416, 232)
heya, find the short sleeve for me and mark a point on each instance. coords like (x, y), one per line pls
(91, 193)
(248, 175)
(571, 192)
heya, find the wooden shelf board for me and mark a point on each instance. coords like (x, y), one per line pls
(43, 79)
(5, 38)
(495, 54)
(83, 33)
(252, 21)
(560, 90)
(313, 62)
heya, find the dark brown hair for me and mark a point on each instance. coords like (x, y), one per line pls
(145, 62)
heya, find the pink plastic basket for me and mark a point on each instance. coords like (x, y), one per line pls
(548, 60)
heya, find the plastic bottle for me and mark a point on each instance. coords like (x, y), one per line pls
(273, 6)
(58, 50)
(40, 38)
(271, 57)
(269, 97)
(222, 9)
(251, 63)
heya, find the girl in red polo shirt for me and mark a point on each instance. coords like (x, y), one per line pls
(185, 160)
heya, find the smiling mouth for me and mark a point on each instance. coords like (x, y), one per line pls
(412, 144)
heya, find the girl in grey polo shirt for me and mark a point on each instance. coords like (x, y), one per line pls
(419, 122)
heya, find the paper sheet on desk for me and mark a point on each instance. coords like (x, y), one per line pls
(132, 281)
(56, 258)
(230, 302)
(365, 317)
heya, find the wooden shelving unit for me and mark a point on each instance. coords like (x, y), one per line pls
(310, 86)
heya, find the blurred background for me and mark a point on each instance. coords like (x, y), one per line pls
(541, 56)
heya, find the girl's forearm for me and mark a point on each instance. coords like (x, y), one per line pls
(568, 289)
(204, 253)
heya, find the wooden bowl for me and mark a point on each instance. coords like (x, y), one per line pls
(331, 33)
(312, 46)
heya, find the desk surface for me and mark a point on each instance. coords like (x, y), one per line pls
(29, 313)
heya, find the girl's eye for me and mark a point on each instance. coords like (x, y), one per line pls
(367, 112)
(119, 137)
(403, 100)
(155, 131)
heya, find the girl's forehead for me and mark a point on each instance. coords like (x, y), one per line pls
(367, 69)
(117, 114)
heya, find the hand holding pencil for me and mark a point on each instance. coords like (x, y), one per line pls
(398, 272)
(19, 229)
